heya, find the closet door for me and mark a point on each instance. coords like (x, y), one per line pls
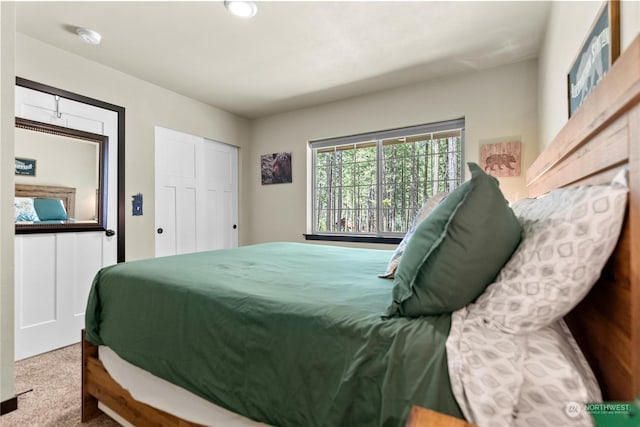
(54, 271)
(196, 199)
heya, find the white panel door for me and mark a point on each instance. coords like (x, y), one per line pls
(176, 183)
(196, 193)
(54, 271)
(221, 194)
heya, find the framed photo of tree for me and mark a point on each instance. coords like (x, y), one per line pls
(598, 52)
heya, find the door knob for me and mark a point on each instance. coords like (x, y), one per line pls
(110, 233)
(160, 230)
(235, 226)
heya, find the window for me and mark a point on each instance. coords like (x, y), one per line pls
(373, 184)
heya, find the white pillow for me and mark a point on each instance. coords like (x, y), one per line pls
(424, 211)
(568, 235)
(485, 370)
(557, 381)
(24, 210)
(499, 379)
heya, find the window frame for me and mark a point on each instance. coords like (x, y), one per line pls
(392, 237)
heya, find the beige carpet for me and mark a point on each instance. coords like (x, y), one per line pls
(55, 399)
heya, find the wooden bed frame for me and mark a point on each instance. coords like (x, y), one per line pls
(601, 137)
(66, 194)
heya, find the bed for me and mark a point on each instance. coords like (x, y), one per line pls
(66, 194)
(291, 285)
(42, 208)
(600, 139)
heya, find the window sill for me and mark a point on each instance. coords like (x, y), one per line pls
(353, 239)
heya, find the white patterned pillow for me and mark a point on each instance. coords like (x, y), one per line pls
(426, 209)
(557, 382)
(500, 379)
(568, 235)
(485, 369)
(24, 210)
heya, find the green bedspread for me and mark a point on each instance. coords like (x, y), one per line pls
(284, 333)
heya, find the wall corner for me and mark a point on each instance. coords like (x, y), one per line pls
(7, 119)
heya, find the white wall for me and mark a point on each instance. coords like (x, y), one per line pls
(7, 117)
(147, 106)
(569, 23)
(499, 105)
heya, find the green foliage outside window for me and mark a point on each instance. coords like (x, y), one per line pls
(377, 187)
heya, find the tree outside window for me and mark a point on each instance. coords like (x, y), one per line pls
(375, 183)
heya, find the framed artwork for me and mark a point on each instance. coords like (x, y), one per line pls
(275, 168)
(501, 159)
(25, 167)
(598, 52)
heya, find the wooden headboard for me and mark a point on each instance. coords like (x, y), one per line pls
(602, 137)
(66, 194)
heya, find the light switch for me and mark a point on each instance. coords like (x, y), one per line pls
(137, 204)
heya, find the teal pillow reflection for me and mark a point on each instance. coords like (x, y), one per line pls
(49, 209)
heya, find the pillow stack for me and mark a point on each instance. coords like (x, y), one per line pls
(457, 250)
(39, 209)
(567, 237)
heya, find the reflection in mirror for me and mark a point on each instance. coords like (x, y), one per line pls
(59, 178)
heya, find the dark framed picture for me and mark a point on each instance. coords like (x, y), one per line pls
(598, 52)
(275, 168)
(25, 167)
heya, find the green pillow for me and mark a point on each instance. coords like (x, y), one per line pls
(49, 209)
(457, 251)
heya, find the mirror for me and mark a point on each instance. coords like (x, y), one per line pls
(60, 179)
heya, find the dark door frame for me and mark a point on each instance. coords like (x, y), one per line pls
(120, 234)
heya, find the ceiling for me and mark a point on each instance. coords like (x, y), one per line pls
(291, 54)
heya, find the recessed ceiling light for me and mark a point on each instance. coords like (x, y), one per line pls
(241, 8)
(88, 36)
